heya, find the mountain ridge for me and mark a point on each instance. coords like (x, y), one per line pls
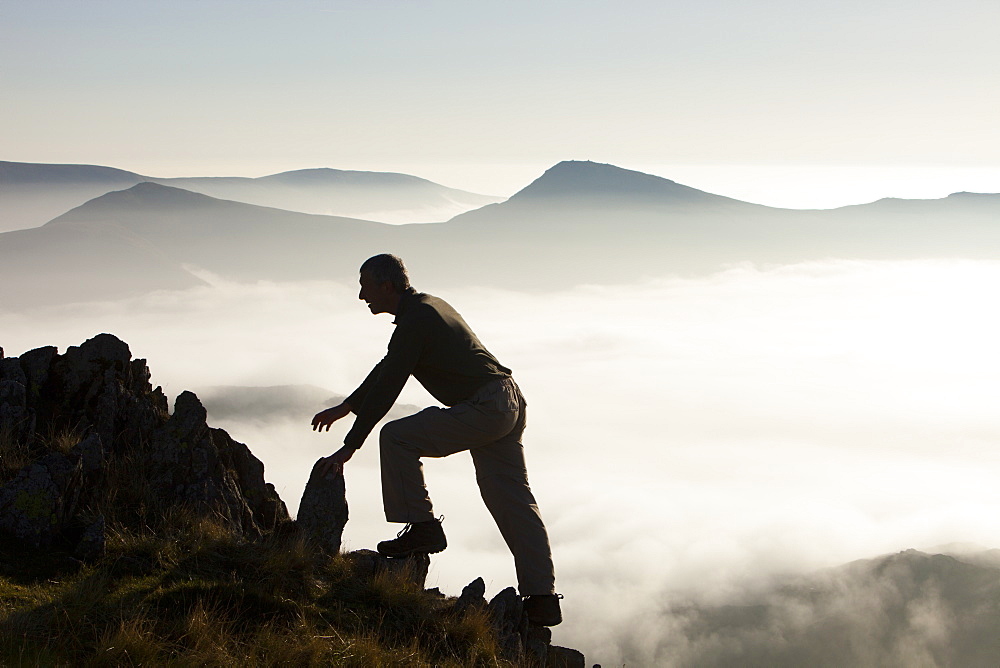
(565, 237)
(35, 193)
(901, 609)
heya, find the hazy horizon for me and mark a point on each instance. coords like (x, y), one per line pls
(792, 186)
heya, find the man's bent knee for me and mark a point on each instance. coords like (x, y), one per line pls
(392, 432)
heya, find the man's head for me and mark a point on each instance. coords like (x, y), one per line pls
(383, 282)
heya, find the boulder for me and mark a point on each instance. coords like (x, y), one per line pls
(519, 640)
(323, 510)
(508, 621)
(564, 657)
(369, 564)
(473, 596)
(38, 503)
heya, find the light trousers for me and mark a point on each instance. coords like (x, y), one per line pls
(489, 425)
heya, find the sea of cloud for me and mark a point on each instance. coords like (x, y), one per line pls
(686, 436)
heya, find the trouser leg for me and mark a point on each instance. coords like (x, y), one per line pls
(435, 432)
(404, 493)
(503, 483)
(490, 426)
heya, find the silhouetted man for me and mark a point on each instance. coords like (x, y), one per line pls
(485, 414)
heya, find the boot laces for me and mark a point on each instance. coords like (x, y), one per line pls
(409, 525)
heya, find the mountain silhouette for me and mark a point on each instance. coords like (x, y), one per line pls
(231, 239)
(588, 181)
(32, 194)
(579, 222)
(383, 196)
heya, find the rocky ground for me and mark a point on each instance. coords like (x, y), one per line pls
(89, 448)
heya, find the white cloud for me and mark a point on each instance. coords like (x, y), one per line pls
(684, 434)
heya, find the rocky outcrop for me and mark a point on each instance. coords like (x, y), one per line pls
(41, 501)
(369, 564)
(127, 446)
(519, 640)
(205, 468)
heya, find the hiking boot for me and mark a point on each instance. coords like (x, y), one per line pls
(543, 609)
(417, 538)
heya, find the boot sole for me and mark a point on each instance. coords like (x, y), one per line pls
(408, 553)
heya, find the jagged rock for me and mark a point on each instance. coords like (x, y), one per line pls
(473, 596)
(564, 657)
(39, 504)
(323, 510)
(92, 542)
(519, 640)
(90, 452)
(98, 390)
(17, 421)
(205, 469)
(507, 620)
(36, 505)
(35, 366)
(368, 564)
(97, 386)
(536, 641)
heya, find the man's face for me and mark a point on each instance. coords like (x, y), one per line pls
(380, 297)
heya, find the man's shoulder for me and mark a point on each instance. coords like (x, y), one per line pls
(422, 307)
(427, 305)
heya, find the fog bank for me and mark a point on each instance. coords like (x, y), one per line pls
(686, 436)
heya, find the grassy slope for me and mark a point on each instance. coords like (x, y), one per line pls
(195, 594)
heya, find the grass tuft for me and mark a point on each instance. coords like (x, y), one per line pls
(196, 593)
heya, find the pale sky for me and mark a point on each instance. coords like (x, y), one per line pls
(485, 96)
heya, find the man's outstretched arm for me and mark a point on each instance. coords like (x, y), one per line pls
(324, 419)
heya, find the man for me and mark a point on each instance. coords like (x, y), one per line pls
(485, 414)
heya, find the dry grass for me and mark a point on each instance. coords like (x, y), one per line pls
(13, 455)
(195, 593)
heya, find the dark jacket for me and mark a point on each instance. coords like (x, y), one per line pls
(433, 344)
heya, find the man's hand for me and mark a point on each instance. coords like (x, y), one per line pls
(335, 462)
(324, 419)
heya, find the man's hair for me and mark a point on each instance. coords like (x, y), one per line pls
(386, 267)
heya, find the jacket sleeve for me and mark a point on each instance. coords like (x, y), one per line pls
(358, 396)
(382, 386)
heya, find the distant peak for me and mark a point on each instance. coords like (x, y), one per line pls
(149, 191)
(593, 180)
(968, 195)
(321, 175)
(141, 195)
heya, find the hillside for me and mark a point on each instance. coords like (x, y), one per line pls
(32, 194)
(900, 610)
(130, 535)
